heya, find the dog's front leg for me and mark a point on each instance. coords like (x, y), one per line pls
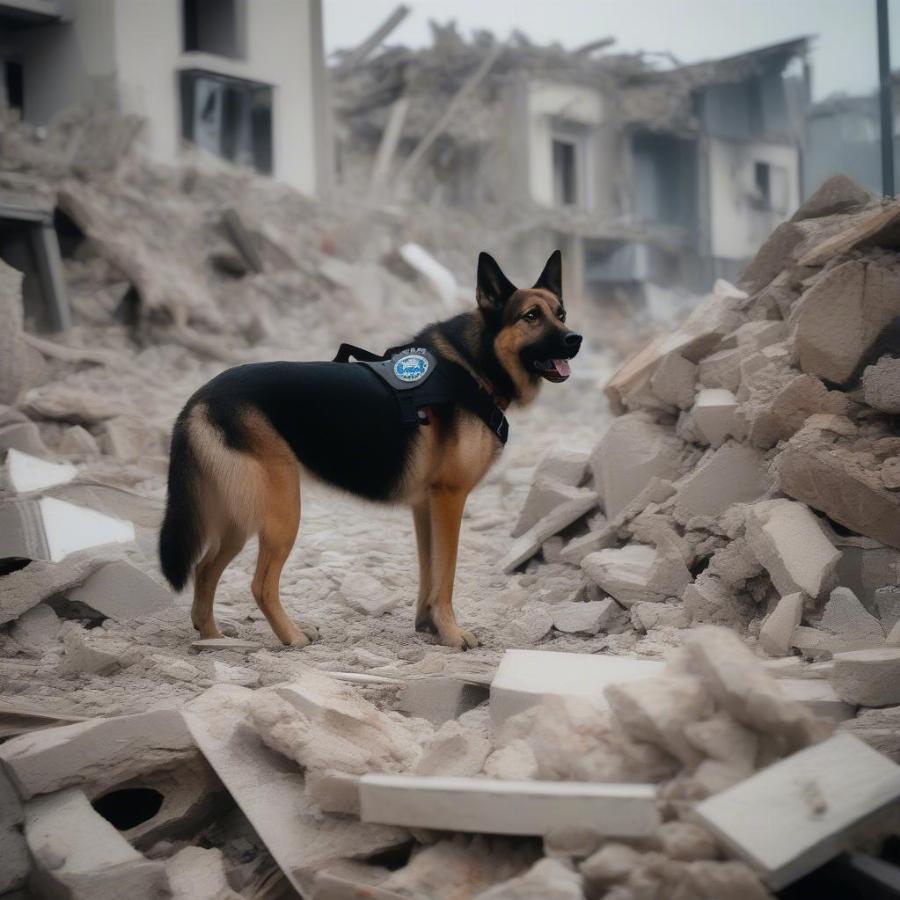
(422, 521)
(446, 516)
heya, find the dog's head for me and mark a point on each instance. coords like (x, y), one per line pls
(527, 325)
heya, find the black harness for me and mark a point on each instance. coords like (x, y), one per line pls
(418, 380)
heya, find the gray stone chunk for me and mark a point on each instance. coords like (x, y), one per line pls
(776, 633)
(847, 618)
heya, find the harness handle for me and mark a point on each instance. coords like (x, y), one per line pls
(346, 351)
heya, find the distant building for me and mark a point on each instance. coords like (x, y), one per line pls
(641, 174)
(243, 80)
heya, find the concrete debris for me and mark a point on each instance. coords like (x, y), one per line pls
(97, 754)
(838, 194)
(27, 473)
(638, 572)
(196, 873)
(673, 381)
(714, 415)
(526, 677)
(788, 540)
(96, 653)
(13, 850)
(440, 699)
(121, 592)
(547, 879)
(565, 464)
(844, 616)
(881, 385)
(454, 751)
(797, 814)
(776, 634)
(226, 643)
(546, 495)
(590, 617)
(79, 855)
(869, 677)
(508, 807)
(818, 696)
(368, 595)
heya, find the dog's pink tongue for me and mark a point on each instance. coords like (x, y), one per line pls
(562, 367)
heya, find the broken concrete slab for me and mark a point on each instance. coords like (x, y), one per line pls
(837, 319)
(637, 572)
(868, 677)
(565, 464)
(875, 228)
(714, 414)
(844, 616)
(272, 794)
(841, 483)
(93, 651)
(732, 474)
(26, 473)
(633, 451)
(838, 194)
(98, 754)
(121, 592)
(776, 633)
(488, 806)
(525, 677)
(789, 542)
(546, 495)
(673, 381)
(19, 718)
(646, 615)
(722, 369)
(368, 595)
(774, 256)
(793, 816)
(881, 385)
(198, 873)
(37, 629)
(524, 547)
(589, 617)
(822, 645)
(51, 529)
(81, 856)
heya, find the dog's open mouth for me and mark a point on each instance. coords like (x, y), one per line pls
(553, 369)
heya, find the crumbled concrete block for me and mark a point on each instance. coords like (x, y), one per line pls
(868, 677)
(842, 484)
(95, 652)
(759, 334)
(24, 436)
(334, 792)
(524, 547)
(875, 227)
(709, 599)
(78, 441)
(881, 385)
(440, 699)
(722, 369)
(130, 439)
(789, 542)
(686, 841)
(99, 753)
(508, 807)
(514, 761)
(27, 473)
(822, 645)
(611, 864)
(840, 316)
(80, 856)
(632, 451)
(38, 628)
(548, 879)
(196, 873)
(647, 614)
(589, 618)
(847, 618)
(837, 194)
(774, 255)
(564, 464)
(732, 474)
(714, 415)
(743, 688)
(637, 572)
(673, 381)
(818, 696)
(15, 863)
(121, 592)
(879, 728)
(777, 630)
(368, 595)
(454, 750)
(795, 815)
(271, 794)
(546, 495)
(525, 677)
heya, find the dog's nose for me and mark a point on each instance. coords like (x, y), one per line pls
(573, 340)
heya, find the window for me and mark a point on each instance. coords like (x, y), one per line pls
(231, 117)
(213, 26)
(762, 182)
(565, 173)
(14, 84)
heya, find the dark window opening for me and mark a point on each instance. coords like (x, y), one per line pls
(129, 807)
(565, 181)
(230, 117)
(762, 179)
(211, 26)
(14, 84)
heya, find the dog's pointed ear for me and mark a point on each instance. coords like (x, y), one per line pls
(551, 277)
(493, 288)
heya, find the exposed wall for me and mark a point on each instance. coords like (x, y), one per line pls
(737, 223)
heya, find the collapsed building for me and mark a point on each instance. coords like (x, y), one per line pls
(641, 174)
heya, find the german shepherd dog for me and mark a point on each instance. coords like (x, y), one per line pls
(240, 444)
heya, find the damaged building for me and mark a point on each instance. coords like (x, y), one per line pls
(641, 174)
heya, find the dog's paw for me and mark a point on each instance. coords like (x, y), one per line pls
(309, 630)
(459, 639)
(295, 638)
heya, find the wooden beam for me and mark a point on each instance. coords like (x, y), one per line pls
(363, 50)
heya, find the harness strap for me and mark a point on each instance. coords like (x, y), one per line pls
(346, 351)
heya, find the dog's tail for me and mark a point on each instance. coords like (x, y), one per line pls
(181, 538)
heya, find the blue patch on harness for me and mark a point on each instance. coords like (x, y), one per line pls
(411, 368)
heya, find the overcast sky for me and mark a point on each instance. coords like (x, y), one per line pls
(844, 58)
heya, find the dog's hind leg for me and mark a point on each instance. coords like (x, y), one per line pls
(446, 517)
(206, 578)
(280, 521)
(422, 521)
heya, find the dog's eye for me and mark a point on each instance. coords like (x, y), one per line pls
(531, 315)
(561, 315)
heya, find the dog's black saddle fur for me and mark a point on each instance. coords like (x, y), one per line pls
(420, 379)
